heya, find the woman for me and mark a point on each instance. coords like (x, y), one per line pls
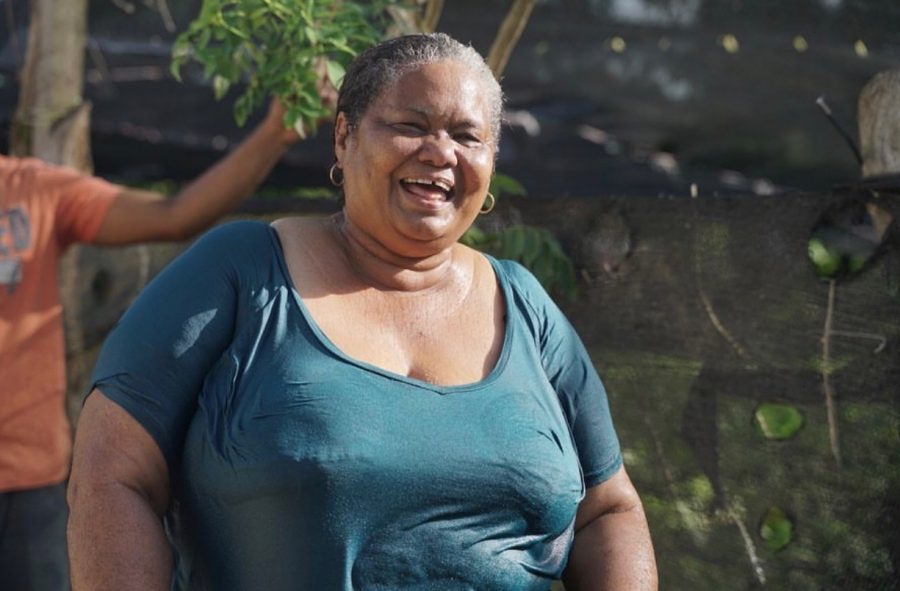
(358, 402)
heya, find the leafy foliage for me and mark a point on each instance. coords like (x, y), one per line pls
(502, 184)
(536, 248)
(276, 47)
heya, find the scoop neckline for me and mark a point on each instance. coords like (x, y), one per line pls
(326, 342)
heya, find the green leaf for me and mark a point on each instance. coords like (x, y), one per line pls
(532, 247)
(473, 237)
(776, 529)
(778, 421)
(502, 184)
(516, 242)
(220, 86)
(826, 262)
(335, 72)
(856, 263)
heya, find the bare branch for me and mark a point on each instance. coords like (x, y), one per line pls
(125, 6)
(882, 340)
(755, 562)
(433, 10)
(166, 15)
(405, 20)
(826, 371)
(509, 34)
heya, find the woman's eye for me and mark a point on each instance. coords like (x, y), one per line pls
(468, 139)
(409, 128)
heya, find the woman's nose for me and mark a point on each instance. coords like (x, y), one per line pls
(439, 149)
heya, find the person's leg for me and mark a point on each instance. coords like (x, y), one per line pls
(33, 553)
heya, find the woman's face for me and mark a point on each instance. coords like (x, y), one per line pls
(417, 168)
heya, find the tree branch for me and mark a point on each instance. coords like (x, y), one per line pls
(433, 10)
(508, 35)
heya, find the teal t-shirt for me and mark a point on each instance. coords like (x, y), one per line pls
(296, 467)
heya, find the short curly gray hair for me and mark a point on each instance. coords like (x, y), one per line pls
(381, 65)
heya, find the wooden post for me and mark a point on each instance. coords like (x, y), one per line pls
(879, 124)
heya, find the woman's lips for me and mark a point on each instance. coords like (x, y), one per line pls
(433, 193)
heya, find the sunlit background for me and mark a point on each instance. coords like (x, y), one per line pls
(608, 96)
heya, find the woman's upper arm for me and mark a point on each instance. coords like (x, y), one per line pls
(118, 492)
(612, 547)
(112, 448)
(614, 495)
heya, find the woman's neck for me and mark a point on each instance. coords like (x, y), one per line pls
(378, 266)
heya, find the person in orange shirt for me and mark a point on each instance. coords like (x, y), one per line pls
(43, 210)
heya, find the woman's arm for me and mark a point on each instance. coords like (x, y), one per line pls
(118, 492)
(612, 548)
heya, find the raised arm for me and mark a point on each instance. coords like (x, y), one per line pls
(612, 548)
(144, 216)
(118, 492)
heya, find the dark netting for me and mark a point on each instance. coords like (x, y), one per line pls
(709, 334)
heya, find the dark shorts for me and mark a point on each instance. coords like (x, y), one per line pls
(33, 540)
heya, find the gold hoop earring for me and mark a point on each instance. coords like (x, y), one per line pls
(336, 175)
(488, 205)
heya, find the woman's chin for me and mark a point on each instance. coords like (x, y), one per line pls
(428, 234)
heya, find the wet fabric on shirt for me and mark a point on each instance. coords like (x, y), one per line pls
(298, 467)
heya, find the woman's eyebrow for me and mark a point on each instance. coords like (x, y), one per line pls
(468, 124)
(429, 114)
(406, 109)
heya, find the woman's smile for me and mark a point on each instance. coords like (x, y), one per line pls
(431, 193)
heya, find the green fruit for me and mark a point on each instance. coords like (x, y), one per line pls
(776, 529)
(826, 261)
(857, 262)
(778, 421)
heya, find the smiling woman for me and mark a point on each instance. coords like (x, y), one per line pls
(358, 402)
(420, 160)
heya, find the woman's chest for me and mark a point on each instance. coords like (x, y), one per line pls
(300, 419)
(440, 341)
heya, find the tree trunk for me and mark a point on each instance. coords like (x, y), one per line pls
(52, 119)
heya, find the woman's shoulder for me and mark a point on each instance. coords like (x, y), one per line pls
(233, 247)
(256, 235)
(519, 278)
(518, 283)
(302, 233)
(241, 231)
(298, 226)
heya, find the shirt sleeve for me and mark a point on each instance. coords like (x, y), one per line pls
(82, 202)
(155, 360)
(572, 374)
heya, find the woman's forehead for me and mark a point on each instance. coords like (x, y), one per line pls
(439, 88)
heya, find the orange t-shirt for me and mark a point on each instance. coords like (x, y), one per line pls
(43, 210)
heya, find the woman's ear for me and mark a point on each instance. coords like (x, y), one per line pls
(341, 135)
